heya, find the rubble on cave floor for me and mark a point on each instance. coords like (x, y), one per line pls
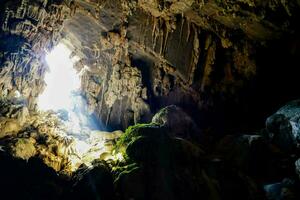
(156, 157)
(44, 135)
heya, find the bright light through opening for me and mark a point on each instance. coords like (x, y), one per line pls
(62, 93)
(62, 80)
(63, 96)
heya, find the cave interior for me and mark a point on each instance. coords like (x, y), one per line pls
(149, 100)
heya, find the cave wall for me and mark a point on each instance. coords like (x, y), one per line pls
(28, 30)
(139, 56)
(201, 56)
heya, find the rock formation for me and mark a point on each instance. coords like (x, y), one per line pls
(44, 135)
(182, 87)
(167, 51)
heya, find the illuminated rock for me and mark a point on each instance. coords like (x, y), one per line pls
(24, 148)
(13, 118)
(215, 60)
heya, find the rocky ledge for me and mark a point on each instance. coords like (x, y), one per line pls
(158, 160)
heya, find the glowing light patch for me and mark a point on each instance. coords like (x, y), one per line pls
(62, 80)
(62, 96)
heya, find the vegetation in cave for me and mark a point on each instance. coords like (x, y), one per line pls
(149, 99)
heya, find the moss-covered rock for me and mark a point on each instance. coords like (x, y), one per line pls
(133, 133)
(158, 166)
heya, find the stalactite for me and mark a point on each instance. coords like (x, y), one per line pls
(161, 31)
(42, 16)
(74, 6)
(168, 29)
(195, 54)
(21, 11)
(181, 29)
(8, 14)
(208, 66)
(120, 111)
(155, 32)
(108, 116)
(154, 26)
(104, 89)
(188, 30)
(37, 26)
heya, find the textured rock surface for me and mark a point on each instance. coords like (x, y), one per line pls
(175, 168)
(177, 122)
(284, 126)
(212, 59)
(24, 148)
(44, 135)
(148, 161)
(188, 53)
(138, 56)
(28, 29)
(13, 117)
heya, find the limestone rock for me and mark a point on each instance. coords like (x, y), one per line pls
(251, 153)
(32, 177)
(281, 190)
(92, 183)
(283, 126)
(9, 127)
(297, 167)
(177, 122)
(151, 148)
(44, 135)
(33, 27)
(13, 117)
(175, 169)
(24, 148)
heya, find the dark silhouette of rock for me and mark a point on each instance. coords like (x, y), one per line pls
(283, 126)
(93, 183)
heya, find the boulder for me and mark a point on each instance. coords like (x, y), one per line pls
(284, 190)
(284, 126)
(9, 127)
(169, 167)
(93, 183)
(178, 123)
(29, 179)
(24, 148)
(297, 167)
(250, 153)
(13, 117)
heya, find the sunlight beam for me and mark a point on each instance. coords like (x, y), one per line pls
(62, 80)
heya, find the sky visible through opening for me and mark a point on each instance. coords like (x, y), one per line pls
(62, 92)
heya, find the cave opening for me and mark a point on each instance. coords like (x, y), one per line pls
(62, 80)
(157, 99)
(62, 93)
(63, 97)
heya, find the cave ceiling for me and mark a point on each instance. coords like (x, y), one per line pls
(179, 92)
(187, 52)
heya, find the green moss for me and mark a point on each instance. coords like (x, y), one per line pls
(132, 133)
(137, 140)
(119, 171)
